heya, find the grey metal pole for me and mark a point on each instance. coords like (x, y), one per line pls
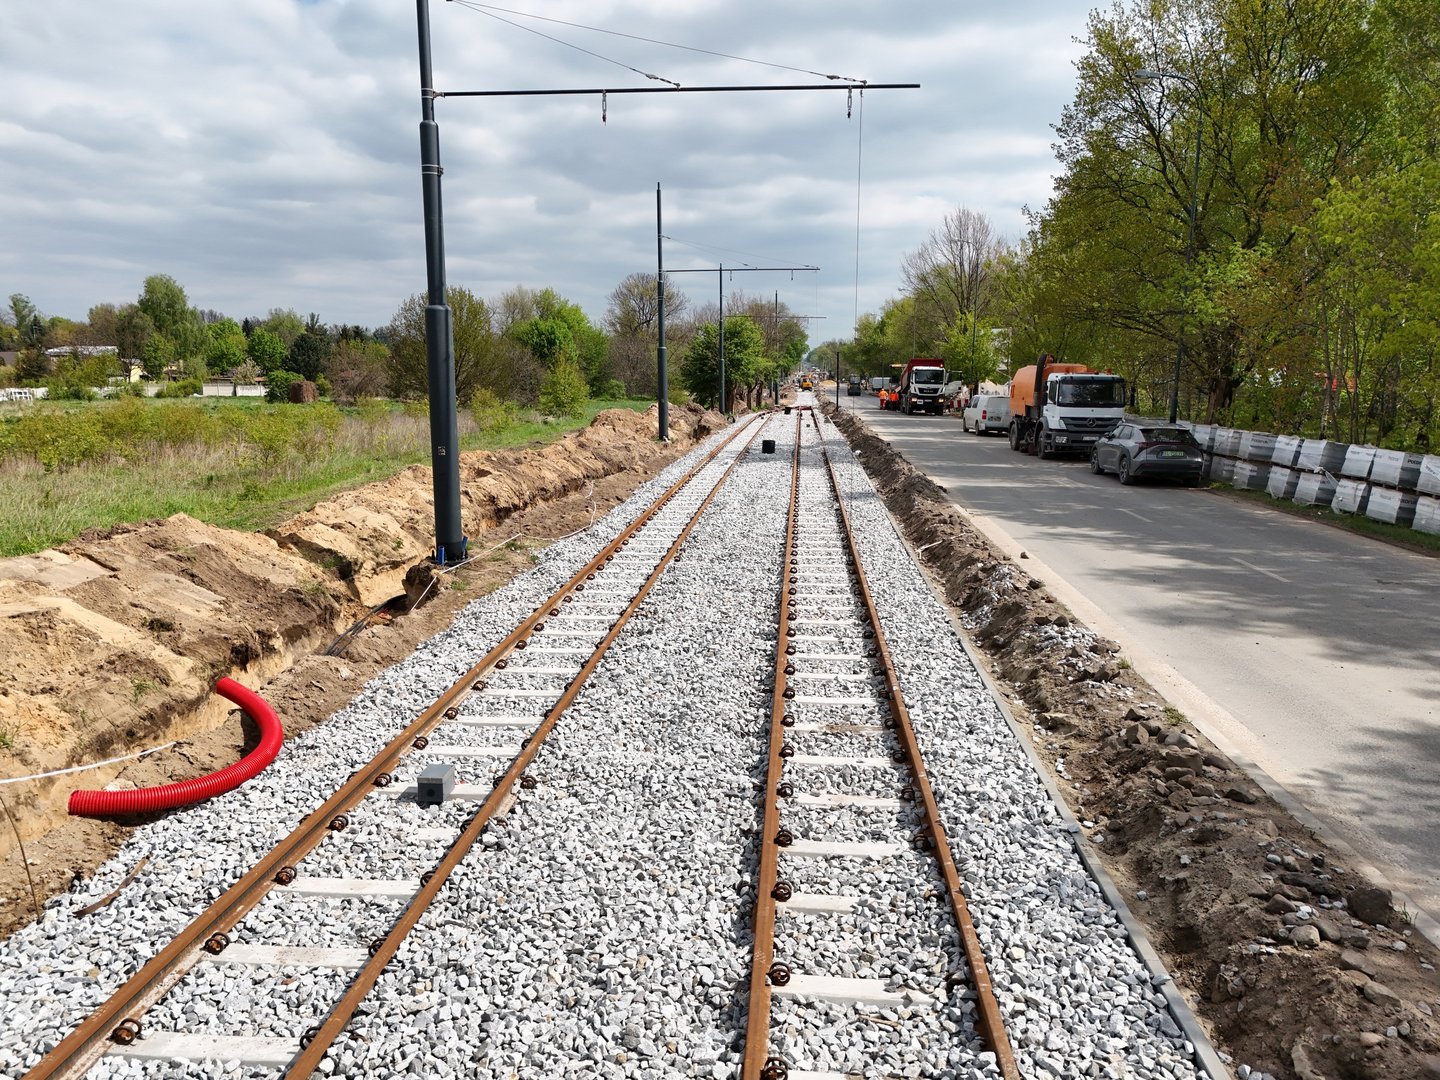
(450, 539)
(721, 277)
(1189, 261)
(662, 389)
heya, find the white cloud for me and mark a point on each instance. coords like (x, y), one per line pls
(266, 154)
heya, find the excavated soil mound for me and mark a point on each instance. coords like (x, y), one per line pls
(1296, 965)
(110, 644)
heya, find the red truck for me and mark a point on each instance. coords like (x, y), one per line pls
(921, 387)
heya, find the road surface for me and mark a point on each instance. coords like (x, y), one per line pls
(1312, 652)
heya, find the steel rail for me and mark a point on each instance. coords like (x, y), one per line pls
(364, 981)
(757, 1025)
(988, 1018)
(74, 1054)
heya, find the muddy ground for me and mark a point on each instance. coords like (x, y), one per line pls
(110, 644)
(1296, 965)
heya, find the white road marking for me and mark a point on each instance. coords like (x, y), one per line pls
(1260, 569)
(1133, 514)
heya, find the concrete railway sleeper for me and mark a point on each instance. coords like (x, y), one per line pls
(834, 676)
(497, 694)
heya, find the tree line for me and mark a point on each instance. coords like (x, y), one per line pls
(1304, 295)
(529, 346)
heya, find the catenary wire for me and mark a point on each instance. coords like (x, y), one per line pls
(560, 41)
(657, 41)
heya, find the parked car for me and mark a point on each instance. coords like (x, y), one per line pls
(878, 383)
(987, 413)
(1136, 449)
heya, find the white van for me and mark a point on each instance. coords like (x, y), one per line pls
(987, 413)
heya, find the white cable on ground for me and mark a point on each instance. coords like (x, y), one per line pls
(82, 768)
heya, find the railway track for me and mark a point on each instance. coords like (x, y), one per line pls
(605, 892)
(521, 687)
(841, 745)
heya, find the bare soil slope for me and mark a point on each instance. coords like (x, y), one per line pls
(111, 643)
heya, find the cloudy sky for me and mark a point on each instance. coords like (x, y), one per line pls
(266, 154)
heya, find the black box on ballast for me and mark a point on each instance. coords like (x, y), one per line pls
(435, 784)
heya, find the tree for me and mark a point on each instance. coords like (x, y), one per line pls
(358, 369)
(104, 323)
(227, 345)
(310, 352)
(22, 314)
(165, 302)
(285, 324)
(552, 328)
(949, 274)
(478, 361)
(631, 320)
(157, 354)
(744, 360)
(133, 330)
(266, 350)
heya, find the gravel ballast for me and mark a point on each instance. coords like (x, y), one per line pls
(604, 927)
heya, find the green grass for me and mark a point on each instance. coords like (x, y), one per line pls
(1399, 535)
(231, 479)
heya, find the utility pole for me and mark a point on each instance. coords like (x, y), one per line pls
(721, 278)
(662, 389)
(450, 539)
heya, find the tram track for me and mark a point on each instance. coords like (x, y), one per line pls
(828, 620)
(616, 913)
(118, 1022)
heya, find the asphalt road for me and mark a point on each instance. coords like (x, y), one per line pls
(1310, 651)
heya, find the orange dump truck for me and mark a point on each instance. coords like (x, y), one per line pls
(1063, 408)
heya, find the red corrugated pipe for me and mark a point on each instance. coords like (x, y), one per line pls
(169, 796)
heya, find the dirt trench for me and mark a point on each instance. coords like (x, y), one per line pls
(1296, 965)
(110, 644)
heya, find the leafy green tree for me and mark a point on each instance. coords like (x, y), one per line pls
(266, 349)
(133, 330)
(227, 347)
(163, 299)
(478, 360)
(22, 315)
(744, 360)
(564, 391)
(158, 354)
(285, 324)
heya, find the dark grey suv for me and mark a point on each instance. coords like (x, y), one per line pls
(1136, 449)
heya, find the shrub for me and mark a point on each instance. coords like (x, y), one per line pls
(277, 387)
(564, 391)
(613, 390)
(184, 388)
(491, 412)
(60, 439)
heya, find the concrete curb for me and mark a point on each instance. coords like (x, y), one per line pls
(1207, 1058)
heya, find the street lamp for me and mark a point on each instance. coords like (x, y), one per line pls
(1160, 76)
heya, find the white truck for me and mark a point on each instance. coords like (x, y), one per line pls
(1063, 408)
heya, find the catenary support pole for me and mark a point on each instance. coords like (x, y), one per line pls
(662, 389)
(721, 356)
(450, 539)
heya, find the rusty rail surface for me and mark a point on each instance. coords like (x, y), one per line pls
(117, 1019)
(758, 1064)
